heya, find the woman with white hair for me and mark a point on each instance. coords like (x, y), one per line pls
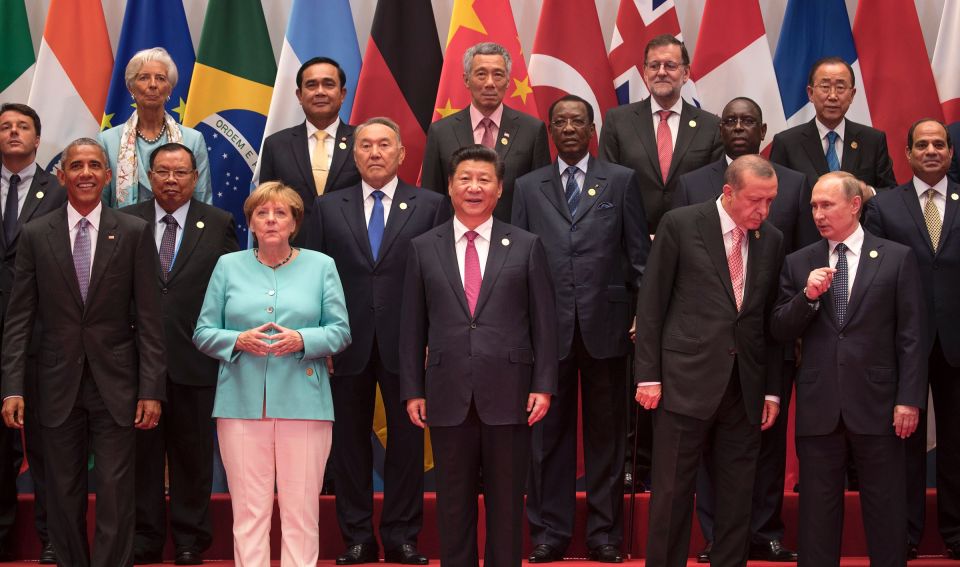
(151, 75)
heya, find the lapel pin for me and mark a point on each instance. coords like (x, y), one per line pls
(692, 123)
(953, 196)
(110, 237)
(592, 191)
(200, 224)
(504, 140)
(874, 254)
(40, 195)
(505, 242)
(756, 235)
(403, 206)
(506, 134)
(853, 145)
(343, 145)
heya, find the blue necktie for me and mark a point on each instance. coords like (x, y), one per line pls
(840, 283)
(375, 228)
(81, 256)
(572, 192)
(10, 211)
(833, 162)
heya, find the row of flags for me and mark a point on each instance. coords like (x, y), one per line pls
(232, 90)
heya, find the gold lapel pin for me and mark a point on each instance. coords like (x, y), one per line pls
(200, 224)
(954, 196)
(756, 235)
(403, 206)
(110, 237)
(874, 253)
(40, 195)
(343, 145)
(504, 140)
(692, 123)
(505, 242)
(592, 191)
(853, 145)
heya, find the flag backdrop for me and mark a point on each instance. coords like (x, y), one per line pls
(16, 72)
(946, 60)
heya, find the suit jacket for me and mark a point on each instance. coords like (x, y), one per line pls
(526, 149)
(790, 211)
(689, 332)
(374, 289)
(954, 131)
(596, 257)
(865, 153)
(858, 370)
(628, 139)
(496, 357)
(118, 332)
(208, 233)
(286, 157)
(45, 194)
(896, 215)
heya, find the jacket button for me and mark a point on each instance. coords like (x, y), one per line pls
(270, 309)
(841, 336)
(573, 228)
(272, 292)
(164, 291)
(732, 351)
(473, 325)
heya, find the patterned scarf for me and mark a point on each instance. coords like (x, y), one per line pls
(128, 176)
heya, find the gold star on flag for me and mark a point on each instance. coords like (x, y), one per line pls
(447, 110)
(105, 122)
(464, 16)
(180, 109)
(523, 88)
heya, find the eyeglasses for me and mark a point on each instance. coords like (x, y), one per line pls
(562, 122)
(670, 66)
(178, 173)
(826, 88)
(745, 121)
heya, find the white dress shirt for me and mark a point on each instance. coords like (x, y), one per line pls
(388, 190)
(939, 200)
(580, 175)
(841, 130)
(73, 219)
(329, 142)
(854, 244)
(673, 122)
(482, 242)
(160, 227)
(26, 178)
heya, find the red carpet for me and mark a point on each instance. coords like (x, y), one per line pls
(846, 562)
(27, 547)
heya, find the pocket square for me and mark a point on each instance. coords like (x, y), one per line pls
(605, 205)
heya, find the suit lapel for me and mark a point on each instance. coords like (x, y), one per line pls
(38, 190)
(509, 124)
(108, 237)
(911, 204)
(866, 271)
(462, 129)
(192, 230)
(644, 127)
(447, 254)
(812, 145)
(496, 256)
(950, 212)
(300, 148)
(685, 133)
(351, 206)
(756, 246)
(596, 180)
(344, 137)
(712, 235)
(554, 192)
(399, 215)
(58, 238)
(851, 143)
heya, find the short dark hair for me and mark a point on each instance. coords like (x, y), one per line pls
(749, 101)
(571, 98)
(172, 147)
(832, 60)
(318, 61)
(22, 109)
(476, 152)
(921, 121)
(664, 40)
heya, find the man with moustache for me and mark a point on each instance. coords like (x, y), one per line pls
(190, 237)
(589, 215)
(367, 230)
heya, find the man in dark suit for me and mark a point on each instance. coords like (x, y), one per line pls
(742, 130)
(87, 274)
(478, 298)
(519, 139)
(921, 214)
(855, 301)
(28, 192)
(367, 229)
(314, 157)
(705, 360)
(954, 172)
(190, 237)
(830, 142)
(589, 215)
(663, 136)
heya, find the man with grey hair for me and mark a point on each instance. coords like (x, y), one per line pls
(86, 273)
(366, 229)
(518, 138)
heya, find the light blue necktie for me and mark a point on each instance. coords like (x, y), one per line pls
(572, 192)
(81, 257)
(375, 228)
(833, 162)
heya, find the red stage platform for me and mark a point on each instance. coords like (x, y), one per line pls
(27, 547)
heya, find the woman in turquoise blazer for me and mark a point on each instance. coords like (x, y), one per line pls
(271, 316)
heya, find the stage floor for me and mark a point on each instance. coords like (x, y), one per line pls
(845, 562)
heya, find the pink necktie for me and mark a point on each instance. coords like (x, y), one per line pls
(489, 133)
(735, 262)
(664, 143)
(471, 272)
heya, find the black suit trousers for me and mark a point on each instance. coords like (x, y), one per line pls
(354, 398)
(185, 438)
(678, 443)
(90, 426)
(945, 385)
(460, 452)
(551, 490)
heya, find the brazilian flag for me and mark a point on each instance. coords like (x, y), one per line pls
(229, 98)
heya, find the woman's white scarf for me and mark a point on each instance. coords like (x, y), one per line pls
(128, 175)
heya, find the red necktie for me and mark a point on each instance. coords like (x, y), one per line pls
(735, 262)
(664, 143)
(489, 133)
(471, 272)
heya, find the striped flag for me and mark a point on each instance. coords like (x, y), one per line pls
(16, 72)
(946, 61)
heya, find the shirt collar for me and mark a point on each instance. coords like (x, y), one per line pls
(854, 242)
(388, 190)
(331, 130)
(180, 214)
(484, 230)
(73, 217)
(726, 221)
(921, 187)
(840, 129)
(26, 174)
(676, 108)
(581, 165)
(476, 116)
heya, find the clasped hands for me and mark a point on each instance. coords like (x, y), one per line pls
(259, 342)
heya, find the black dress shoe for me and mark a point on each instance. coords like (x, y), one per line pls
(48, 555)
(544, 553)
(912, 551)
(406, 554)
(359, 553)
(606, 553)
(704, 555)
(772, 550)
(953, 551)
(144, 558)
(187, 557)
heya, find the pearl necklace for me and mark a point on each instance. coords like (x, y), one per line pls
(163, 130)
(256, 254)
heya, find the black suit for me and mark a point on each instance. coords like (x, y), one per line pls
(185, 434)
(628, 138)
(954, 173)
(791, 214)
(478, 377)
(374, 293)
(865, 153)
(286, 157)
(526, 149)
(44, 195)
(898, 215)
(715, 365)
(587, 253)
(97, 358)
(851, 375)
